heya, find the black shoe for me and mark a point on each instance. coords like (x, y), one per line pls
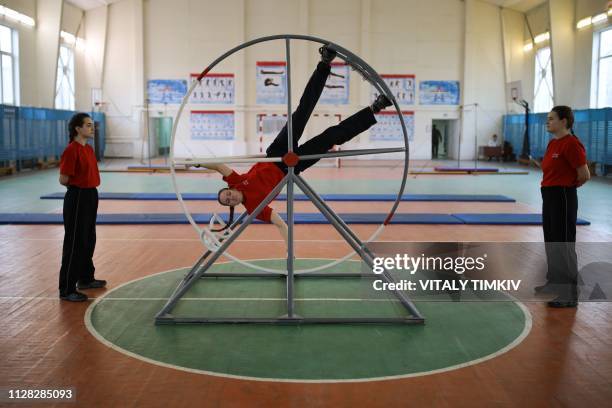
(562, 302)
(547, 288)
(380, 103)
(94, 284)
(74, 297)
(327, 54)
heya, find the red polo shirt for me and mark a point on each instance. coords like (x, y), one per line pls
(79, 163)
(256, 185)
(563, 156)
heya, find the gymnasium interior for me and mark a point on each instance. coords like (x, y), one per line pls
(330, 300)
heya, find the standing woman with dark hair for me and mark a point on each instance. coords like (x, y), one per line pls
(564, 168)
(79, 173)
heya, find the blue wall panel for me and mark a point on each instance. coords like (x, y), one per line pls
(28, 133)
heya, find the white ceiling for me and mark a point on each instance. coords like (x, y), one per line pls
(90, 4)
(518, 5)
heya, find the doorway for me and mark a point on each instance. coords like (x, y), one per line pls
(160, 133)
(440, 133)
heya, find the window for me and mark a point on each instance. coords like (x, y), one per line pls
(603, 69)
(8, 66)
(543, 89)
(64, 91)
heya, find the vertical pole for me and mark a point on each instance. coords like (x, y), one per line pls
(462, 118)
(476, 135)
(290, 175)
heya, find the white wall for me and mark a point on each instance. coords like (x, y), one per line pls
(183, 36)
(123, 78)
(472, 41)
(562, 31)
(484, 76)
(572, 49)
(582, 79)
(90, 62)
(514, 57)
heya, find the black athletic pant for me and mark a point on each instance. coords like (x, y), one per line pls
(335, 135)
(559, 213)
(80, 210)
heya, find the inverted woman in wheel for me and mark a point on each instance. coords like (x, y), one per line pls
(251, 188)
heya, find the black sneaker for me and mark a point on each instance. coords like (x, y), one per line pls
(327, 54)
(74, 297)
(94, 284)
(381, 103)
(547, 288)
(562, 303)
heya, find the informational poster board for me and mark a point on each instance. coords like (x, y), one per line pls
(166, 91)
(401, 85)
(271, 82)
(439, 92)
(214, 89)
(336, 91)
(389, 127)
(212, 125)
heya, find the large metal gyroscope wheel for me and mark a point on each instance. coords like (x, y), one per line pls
(217, 243)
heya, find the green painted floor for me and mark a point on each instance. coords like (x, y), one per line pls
(21, 193)
(455, 333)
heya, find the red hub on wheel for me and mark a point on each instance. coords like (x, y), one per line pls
(291, 159)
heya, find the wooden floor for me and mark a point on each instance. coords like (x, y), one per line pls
(566, 360)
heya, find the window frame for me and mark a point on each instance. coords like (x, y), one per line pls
(72, 89)
(595, 78)
(543, 82)
(14, 55)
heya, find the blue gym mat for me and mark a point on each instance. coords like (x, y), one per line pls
(470, 169)
(506, 219)
(300, 218)
(301, 197)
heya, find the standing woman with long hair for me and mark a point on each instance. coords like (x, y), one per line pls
(564, 169)
(79, 173)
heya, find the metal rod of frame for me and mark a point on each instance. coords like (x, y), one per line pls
(358, 152)
(352, 239)
(185, 287)
(280, 275)
(290, 176)
(199, 262)
(294, 320)
(205, 161)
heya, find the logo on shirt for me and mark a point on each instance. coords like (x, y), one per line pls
(245, 182)
(555, 155)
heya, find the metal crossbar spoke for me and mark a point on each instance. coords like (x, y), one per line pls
(216, 160)
(348, 153)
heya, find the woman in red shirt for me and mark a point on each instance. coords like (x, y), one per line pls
(79, 173)
(564, 168)
(251, 188)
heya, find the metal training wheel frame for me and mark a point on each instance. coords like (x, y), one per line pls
(357, 64)
(218, 244)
